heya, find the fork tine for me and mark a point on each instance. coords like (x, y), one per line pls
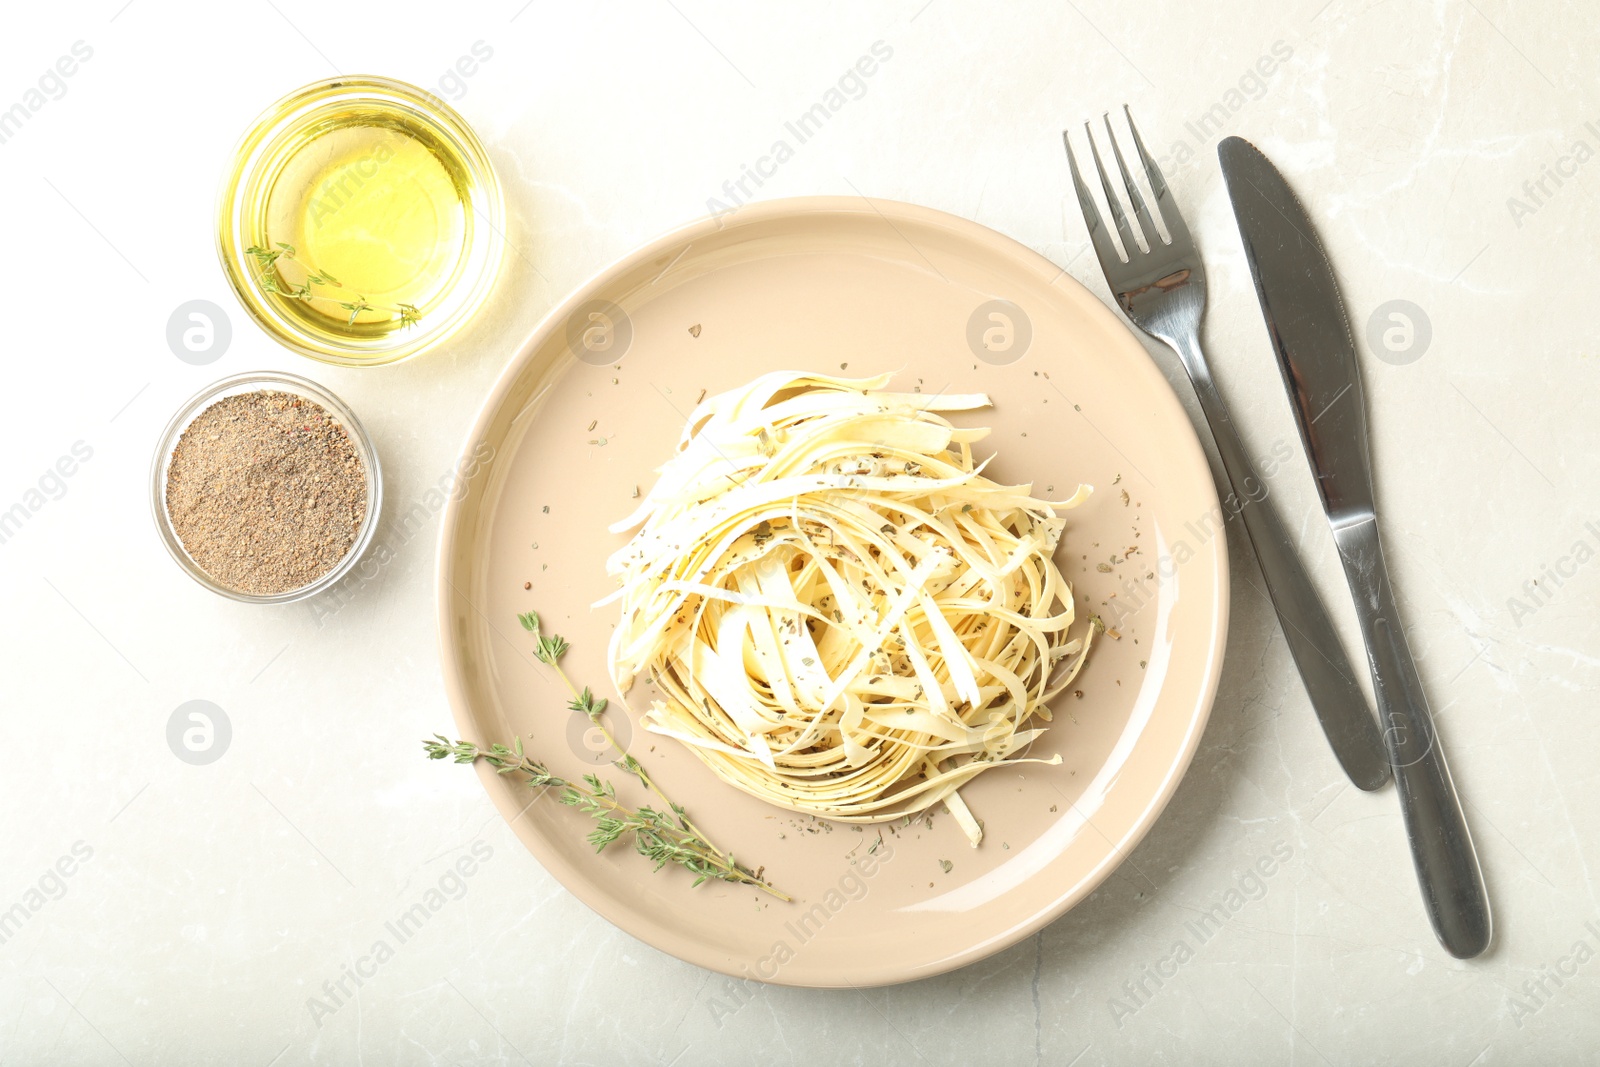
(1104, 248)
(1151, 235)
(1125, 231)
(1170, 215)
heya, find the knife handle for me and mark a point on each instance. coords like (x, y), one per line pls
(1441, 845)
(1329, 678)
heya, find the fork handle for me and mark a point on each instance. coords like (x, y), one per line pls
(1329, 678)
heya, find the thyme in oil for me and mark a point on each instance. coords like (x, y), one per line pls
(663, 834)
(273, 281)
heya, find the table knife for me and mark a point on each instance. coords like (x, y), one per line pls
(1310, 333)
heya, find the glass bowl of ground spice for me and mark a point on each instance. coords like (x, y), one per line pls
(265, 488)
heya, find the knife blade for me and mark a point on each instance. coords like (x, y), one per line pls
(1310, 334)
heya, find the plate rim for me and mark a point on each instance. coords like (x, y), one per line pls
(637, 923)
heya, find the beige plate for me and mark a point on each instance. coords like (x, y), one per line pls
(561, 446)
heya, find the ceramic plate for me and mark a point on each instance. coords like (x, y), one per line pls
(563, 446)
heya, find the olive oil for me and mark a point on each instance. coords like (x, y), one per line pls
(372, 202)
(361, 221)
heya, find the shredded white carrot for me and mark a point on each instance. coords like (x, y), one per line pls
(842, 614)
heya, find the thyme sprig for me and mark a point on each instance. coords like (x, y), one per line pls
(549, 650)
(658, 836)
(663, 834)
(273, 281)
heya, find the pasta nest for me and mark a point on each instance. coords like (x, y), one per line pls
(841, 614)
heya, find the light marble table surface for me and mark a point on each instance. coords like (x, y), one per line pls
(1445, 150)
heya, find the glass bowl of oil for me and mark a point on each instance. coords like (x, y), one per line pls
(361, 221)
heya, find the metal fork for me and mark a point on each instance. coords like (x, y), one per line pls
(1162, 288)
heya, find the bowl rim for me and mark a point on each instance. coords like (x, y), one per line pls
(246, 156)
(279, 381)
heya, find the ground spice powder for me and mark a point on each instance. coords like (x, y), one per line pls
(266, 492)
